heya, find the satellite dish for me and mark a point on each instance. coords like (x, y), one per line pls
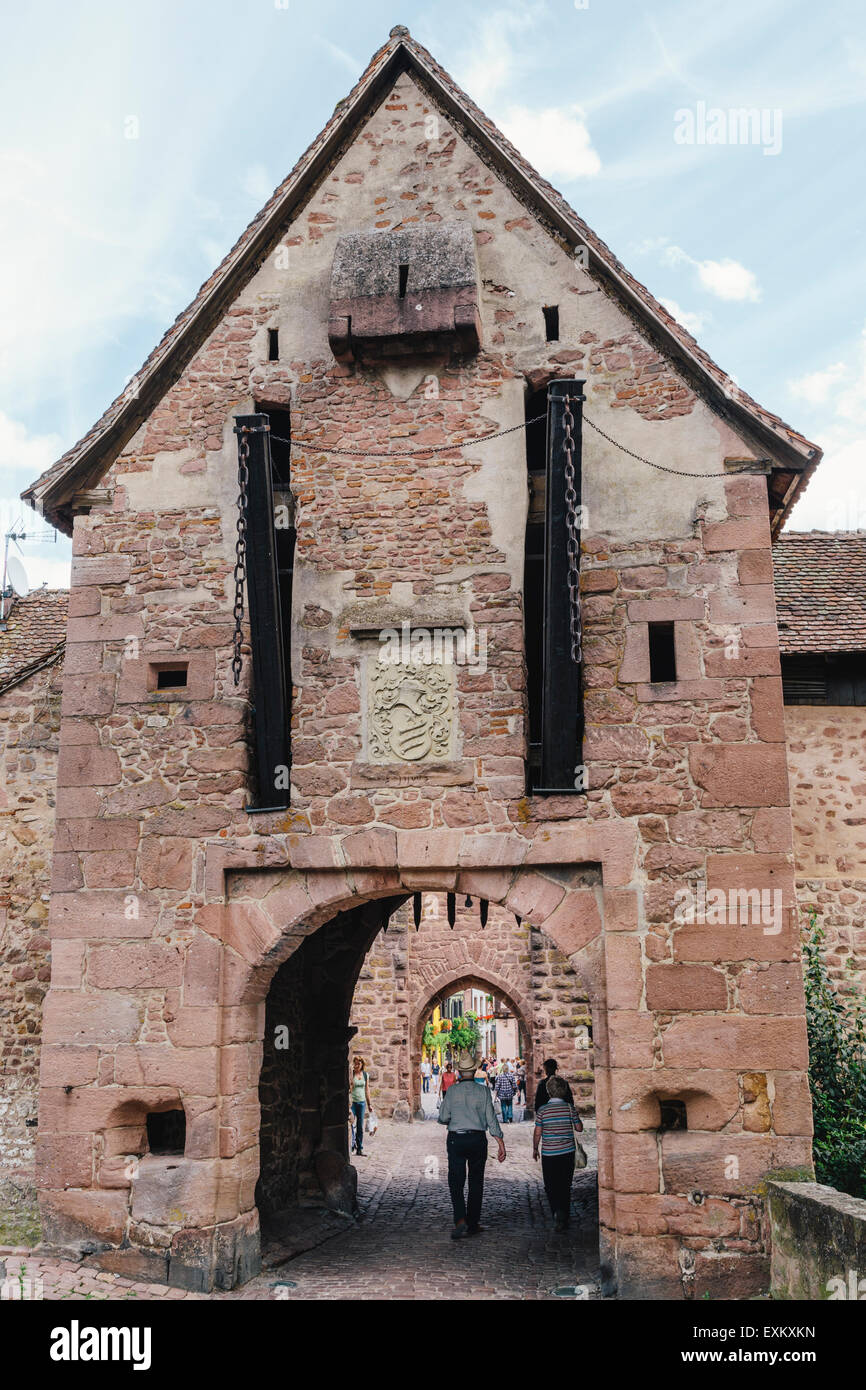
(17, 576)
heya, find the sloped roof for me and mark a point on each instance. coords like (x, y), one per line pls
(35, 633)
(821, 591)
(794, 456)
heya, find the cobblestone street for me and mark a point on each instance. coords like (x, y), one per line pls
(401, 1248)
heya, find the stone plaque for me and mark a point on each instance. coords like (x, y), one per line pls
(410, 712)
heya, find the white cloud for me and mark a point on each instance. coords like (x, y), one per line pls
(23, 456)
(727, 279)
(694, 323)
(555, 140)
(258, 184)
(816, 387)
(836, 497)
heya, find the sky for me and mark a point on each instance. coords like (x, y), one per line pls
(137, 140)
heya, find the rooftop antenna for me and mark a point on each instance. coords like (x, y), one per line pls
(14, 573)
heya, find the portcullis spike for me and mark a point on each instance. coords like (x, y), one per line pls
(416, 909)
(451, 902)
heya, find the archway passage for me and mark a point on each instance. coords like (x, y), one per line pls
(310, 1034)
(408, 967)
(505, 1027)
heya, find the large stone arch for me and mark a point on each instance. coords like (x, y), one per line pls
(269, 913)
(263, 901)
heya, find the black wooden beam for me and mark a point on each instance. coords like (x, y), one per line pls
(561, 718)
(269, 692)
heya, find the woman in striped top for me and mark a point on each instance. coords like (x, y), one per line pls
(555, 1124)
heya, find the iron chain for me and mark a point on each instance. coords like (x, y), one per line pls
(240, 570)
(407, 453)
(573, 542)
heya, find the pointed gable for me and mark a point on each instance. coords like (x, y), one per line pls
(791, 456)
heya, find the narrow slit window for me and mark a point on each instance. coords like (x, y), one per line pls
(171, 677)
(166, 1132)
(662, 653)
(404, 280)
(273, 345)
(551, 322)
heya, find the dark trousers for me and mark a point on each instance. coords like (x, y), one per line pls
(466, 1151)
(558, 1171)
(358, 1108)
(425, 1083)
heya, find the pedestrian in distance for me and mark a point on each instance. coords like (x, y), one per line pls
(468, 1112)
(359, 1101)
(521, 1081)
(555, 1125)
(504, 1088)
(449, 1076)
(426, 1073)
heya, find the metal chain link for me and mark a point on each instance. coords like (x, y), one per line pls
(573, 542)
(407, 453)
(240, 570)
(677, 472)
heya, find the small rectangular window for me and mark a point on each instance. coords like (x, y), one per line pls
(171, 677)
(662, 652)
(273, 345)
(551, 322)
(404, 280)
(166, 1132)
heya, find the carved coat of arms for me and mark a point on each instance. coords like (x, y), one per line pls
(410, 712)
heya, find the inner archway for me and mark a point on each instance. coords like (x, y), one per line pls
(455, 984)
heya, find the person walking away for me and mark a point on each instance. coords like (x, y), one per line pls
(555, 1124)
(504, 1088)
(426, 1071)
(468, 1112)
(359, 1099)
(550, 1069)
(521, 1081)
(448, 1078)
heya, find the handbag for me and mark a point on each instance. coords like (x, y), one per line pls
(580, 1159)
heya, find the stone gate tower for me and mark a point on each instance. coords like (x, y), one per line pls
(608, 765)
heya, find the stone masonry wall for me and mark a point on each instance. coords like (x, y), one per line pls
(827, 767)
(29, 726)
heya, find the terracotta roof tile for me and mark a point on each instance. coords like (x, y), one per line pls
(821, 590)
(35, 630)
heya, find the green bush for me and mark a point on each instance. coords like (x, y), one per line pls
(836, 1025)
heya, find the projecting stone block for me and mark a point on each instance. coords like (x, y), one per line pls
(409, 291)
